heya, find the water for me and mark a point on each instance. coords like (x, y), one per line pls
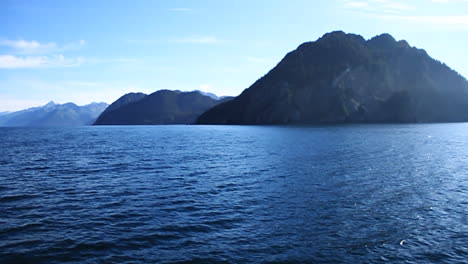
(234, 194)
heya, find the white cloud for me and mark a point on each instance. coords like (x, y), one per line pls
(53, 61)
(438, 22)
(198, 40)
(15, 62)
(33, 54)
(447, 1)
(30, 47)
(397, 11)
(377, 6)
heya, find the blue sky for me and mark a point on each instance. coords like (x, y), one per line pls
(85, 51)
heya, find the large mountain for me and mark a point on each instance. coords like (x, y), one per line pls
(124, 100)
(53, 114)
(161, 107)
(343, 78)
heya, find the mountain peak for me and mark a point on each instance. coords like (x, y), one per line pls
(341, 78)
(50, 104)
(160, 107)
(383, 41)
(53, 114)
(212, 95)
(124, 100)
(340, 35)
(336, 33)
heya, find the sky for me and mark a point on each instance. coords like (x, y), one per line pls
(96, 51)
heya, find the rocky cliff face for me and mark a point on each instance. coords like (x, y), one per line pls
(161, 107)
(342, 78)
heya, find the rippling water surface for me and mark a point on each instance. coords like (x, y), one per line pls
(234, 194)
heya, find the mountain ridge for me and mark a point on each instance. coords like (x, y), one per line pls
(53, 114)
(343, 78)
(160, 107)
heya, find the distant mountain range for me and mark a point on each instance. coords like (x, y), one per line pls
(214, 96)
(161, 107)
(53, 114)
(343, 78)
(340, 78)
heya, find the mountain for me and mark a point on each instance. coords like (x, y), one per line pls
(124, 100)
(343, 78)
(212, 95)
(161, 107)
(53, 114)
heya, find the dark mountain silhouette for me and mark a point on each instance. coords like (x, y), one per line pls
(343, 78)
(124, 100)
(53, 114)
(161, 107)
(212, 95)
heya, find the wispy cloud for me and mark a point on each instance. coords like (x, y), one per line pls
(30, 47)
(377, 6)
(15, 62)
(53, 61)
(197, 40)
(447, 1)
(397, 11)
(440, 22)
(33, 54)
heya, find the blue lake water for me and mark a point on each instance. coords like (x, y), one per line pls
(235, 194)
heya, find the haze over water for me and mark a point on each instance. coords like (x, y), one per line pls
(234, 194)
